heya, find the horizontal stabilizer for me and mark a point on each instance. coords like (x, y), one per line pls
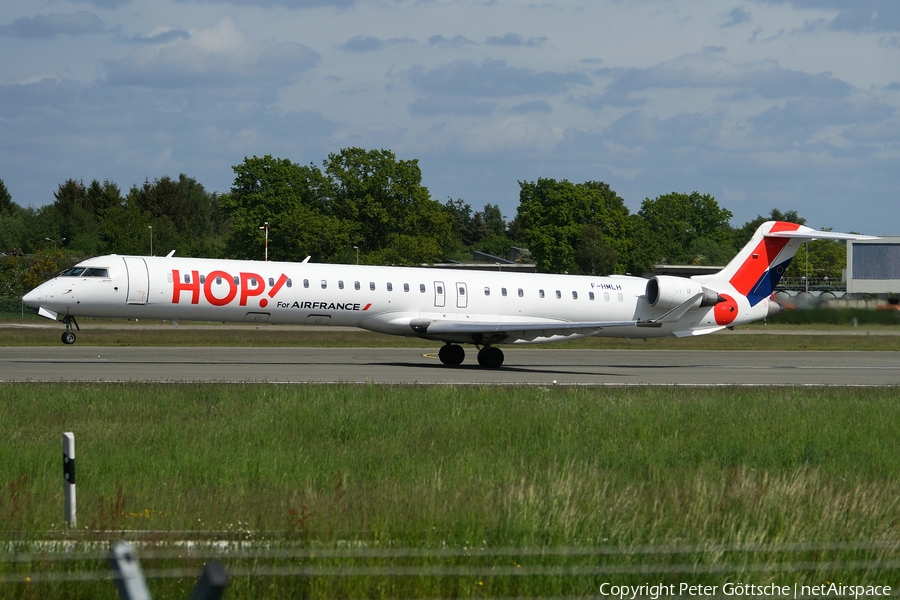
(812, 234)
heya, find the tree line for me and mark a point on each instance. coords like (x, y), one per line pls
(370, 206)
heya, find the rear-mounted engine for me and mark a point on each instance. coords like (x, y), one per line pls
(665, 291)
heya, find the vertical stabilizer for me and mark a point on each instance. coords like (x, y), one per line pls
(759, 266)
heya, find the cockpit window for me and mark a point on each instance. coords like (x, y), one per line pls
(95, 272)
(73, 272)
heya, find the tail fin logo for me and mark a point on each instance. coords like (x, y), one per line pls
(757, 277)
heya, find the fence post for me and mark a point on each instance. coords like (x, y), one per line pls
(69, 476)
(129, 578)
(212, 584)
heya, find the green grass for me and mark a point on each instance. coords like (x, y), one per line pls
(446, 467)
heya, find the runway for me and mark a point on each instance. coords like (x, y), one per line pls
(410, 366)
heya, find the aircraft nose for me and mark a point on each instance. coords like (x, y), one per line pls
(33, 297)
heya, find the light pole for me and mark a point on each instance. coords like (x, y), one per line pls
(266, 227)
(806, 255)
(357, 253)
(55, 241)
(150, 227)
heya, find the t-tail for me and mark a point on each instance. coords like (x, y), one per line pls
(758, 267)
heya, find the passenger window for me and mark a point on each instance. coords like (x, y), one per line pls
(521, 293)
(558, 295)
(390, 287)
(237, 281)
(422, 287)
(324, 284)
(289, 282)
(218, 281)
(502, 291)
(405, 287)
(306, 283)
(606, 296)
(541, 293)
(340, 284)
(440, 289)
(355, 285)
(253, 282)
(487, 291)
(591, 295)
(621, 298)
(187, 278)
(462, 291)
(372, 285)
(202, 279)
(574, 295)
(271, 282)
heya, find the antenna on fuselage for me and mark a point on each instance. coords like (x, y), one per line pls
(170, 254)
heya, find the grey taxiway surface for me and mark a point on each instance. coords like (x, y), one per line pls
(410, 365)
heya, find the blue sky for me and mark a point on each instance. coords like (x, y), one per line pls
(789, 104)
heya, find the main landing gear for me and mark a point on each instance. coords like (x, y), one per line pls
(490, 357)
(68, 337)
(453, 355)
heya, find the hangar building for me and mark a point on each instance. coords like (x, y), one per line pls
(873, 266)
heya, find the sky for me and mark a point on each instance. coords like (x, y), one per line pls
(788, 104)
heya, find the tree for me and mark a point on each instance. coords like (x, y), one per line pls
(385, 199)
(819, 259)
(294, 200)
(677, 220)
(12, 224)
(743, 235)
(6, 204)
(594, 256)
(552, 216)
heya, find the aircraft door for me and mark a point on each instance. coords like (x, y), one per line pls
(439, 294)
(462, 295)
(138, 280)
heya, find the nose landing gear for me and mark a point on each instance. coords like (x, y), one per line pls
(68, 337)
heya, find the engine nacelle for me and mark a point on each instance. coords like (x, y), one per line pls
(665, 291)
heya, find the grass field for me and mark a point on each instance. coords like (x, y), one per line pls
(355, 469)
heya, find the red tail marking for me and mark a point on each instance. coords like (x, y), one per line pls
(784, 226)
(760, 259)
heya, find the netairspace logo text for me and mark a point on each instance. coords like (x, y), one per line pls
(740, 589)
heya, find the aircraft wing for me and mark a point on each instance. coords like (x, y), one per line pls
(494, 332)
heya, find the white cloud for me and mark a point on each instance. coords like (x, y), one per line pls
(218, 57)
(650, 96)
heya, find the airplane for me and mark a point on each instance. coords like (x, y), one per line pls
(484, 308)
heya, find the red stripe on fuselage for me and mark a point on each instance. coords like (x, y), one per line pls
(759, 260)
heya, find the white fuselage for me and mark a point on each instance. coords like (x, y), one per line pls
(382, 299)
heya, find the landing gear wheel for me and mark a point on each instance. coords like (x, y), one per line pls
(490, 357)
(68, 337)
(452, 355)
